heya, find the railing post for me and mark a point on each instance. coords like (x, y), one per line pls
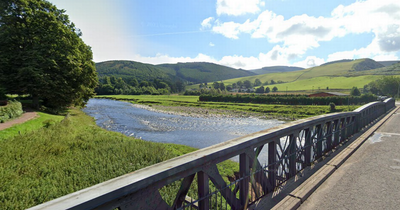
(318, 130)
(307, 147)
(292, 154)
(203, 190)
(272, 164)
(244, 183)
(329, 135)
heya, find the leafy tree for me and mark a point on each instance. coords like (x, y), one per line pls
(260, 89)
(355, 91)
(388, 85)
(247, 84)
(274, 89)
(257, 82)
(272, 82)
(144, 83)
(239, 84)
(42, 54)
(266, 83)
(215, 85)
(221, 86)
(267, 90)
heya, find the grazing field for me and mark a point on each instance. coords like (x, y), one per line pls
(270, 111)
(321, 83)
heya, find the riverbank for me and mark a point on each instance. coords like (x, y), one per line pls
(191, 106)
(63, 157)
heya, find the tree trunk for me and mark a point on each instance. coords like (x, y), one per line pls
(35, 102)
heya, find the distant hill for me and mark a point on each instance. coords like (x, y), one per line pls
(276, 69)
(203, 72)
(192, 72)
(367, 64)
(338, 61)
(124, 69)
(388, 63)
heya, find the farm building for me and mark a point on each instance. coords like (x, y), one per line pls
(327, 94)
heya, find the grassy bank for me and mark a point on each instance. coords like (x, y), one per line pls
(43, 120)
(73, 154)
(285, 112)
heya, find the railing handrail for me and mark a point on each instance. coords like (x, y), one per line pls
(182, 166)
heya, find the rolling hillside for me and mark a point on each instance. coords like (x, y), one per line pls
(190, 72)
(204, 72)
(276, 69)
(138, 70)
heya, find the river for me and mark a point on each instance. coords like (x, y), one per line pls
(198, 132)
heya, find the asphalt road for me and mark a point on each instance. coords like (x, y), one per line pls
(369, 179)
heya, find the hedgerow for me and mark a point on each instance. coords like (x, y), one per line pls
(287, 99)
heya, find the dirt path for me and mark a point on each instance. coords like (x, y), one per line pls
(24, 117)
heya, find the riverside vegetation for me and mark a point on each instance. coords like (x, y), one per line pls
(67, 155)
(191, 104)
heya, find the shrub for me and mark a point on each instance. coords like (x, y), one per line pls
(332, 107)
(12, 110)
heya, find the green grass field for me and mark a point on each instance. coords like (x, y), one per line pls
(32, 125)
(321, 83)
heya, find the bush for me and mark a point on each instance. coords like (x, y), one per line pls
(332, 107)
(12, 110)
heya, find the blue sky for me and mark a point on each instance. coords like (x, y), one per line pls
(247, 34)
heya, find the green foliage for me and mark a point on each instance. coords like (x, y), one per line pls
(68, 156)
(287, 99)
(355, 91)
(12, 110)
(41, 54)
(257, 82)
(274, 89)
(2, 93)
(260, 89)
(332, 107)
(387, 85)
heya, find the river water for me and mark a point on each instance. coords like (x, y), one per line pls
(198, 132)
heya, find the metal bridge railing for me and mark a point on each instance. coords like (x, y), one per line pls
(289, 149)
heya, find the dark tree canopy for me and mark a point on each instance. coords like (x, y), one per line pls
(42, 54)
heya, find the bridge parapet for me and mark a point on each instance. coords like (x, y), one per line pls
(289, 149)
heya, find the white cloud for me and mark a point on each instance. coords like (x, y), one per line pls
(238, 7)
(211, 44)
(206, 23)
(298, 34)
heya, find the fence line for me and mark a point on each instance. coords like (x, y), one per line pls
(290, 147)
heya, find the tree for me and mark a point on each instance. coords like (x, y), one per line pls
(274, 89)
(221, 86)
(355, 91)
(260, 89)
(272, 82)
(257, 82)
(267, 90)
(42, 54)
(247, 84)
(239, 84)
(216, 85)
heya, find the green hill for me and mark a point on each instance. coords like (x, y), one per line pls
(276, 69)
(126, 69)
(199, 72)
(191, 72)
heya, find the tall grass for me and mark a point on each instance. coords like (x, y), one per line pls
(68, 156)
(44, 119)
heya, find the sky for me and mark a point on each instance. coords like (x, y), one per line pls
(246, 34)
